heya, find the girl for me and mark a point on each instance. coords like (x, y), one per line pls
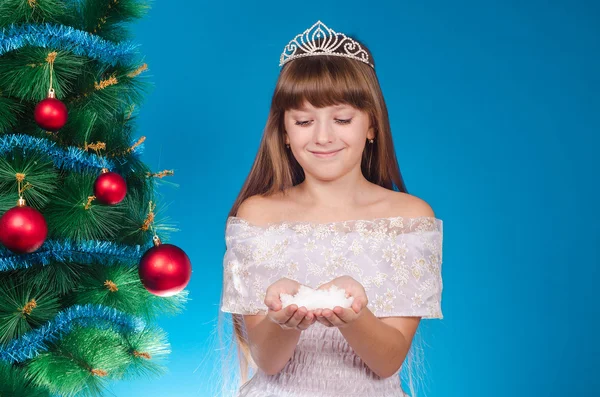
(325, 204)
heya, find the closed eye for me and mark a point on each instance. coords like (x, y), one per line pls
(339, 121)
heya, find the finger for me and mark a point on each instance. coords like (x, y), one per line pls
(284, 315)
(307, 321)
(333, 318)
(346, 315)
(273, 302)
(296, 318)
(324, 321)
(339, 312)
(359, 304)
(324, 286)
(290, 310)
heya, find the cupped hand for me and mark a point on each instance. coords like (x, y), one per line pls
(290, 317)
(342, 317)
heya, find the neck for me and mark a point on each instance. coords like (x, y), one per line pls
(347, 191)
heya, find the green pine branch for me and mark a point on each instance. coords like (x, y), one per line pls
(69, 216)
(119, 286)
(40, 177)
(85, 360)
(108, 91)
(34, 11)
(102, 101)
(106, 19)
(147, 349)
(30, 297)
(25, 73)
(81, 363)
(23, 308)
(100, 98)
(14, 382)
(64, 199)
(60, 277)
(10, 111)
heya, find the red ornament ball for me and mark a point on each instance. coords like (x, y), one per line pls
(23, 229)
(50, 114)
(165, 270)
(110, 188)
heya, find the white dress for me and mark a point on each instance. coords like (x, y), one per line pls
(396, 259)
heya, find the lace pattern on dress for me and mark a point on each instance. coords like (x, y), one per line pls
(397, 260)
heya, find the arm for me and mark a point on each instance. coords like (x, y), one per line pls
(272, 337)
(270, 345)
(381, 343)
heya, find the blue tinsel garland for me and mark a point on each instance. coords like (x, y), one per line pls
(67, 38)
(36, 341)
(70, 157)
(84, 252)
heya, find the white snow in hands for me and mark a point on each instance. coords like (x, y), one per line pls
(313, 299)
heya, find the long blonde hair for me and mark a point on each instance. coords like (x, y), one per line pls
(321, 81)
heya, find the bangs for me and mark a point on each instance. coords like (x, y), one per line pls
(323, 81)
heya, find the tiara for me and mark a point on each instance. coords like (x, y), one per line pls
(332, 43)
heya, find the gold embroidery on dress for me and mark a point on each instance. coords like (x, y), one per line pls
(397, 259)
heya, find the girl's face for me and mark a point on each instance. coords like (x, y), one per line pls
(327, 142)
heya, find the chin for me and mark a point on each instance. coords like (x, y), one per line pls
(330, 175)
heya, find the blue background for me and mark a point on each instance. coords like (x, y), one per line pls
(494, 112)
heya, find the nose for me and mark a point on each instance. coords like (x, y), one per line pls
(323, 133)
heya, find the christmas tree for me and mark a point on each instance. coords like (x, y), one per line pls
(83, 270)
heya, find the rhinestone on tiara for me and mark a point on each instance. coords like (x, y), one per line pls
(331, 43)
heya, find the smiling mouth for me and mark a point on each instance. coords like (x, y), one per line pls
(326, 154)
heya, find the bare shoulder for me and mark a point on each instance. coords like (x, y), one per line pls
(253, 208)
(409, 205)
(257, 209)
